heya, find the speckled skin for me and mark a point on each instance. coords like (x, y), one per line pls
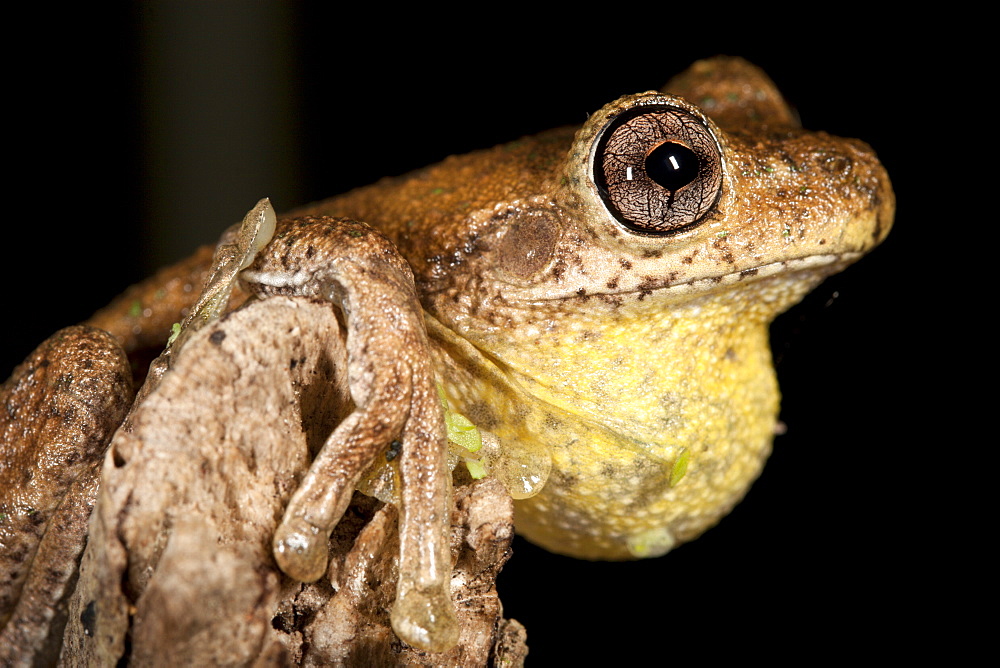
(598, 355)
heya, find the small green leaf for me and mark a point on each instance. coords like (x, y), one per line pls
(175, 331)
(476, 469)
(680, 467)
(462, 432)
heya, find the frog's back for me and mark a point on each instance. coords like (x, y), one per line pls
(429, 212)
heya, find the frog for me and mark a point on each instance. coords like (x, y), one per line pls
(591, 302)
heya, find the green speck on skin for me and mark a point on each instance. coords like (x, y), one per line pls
(680, 467)
(355, 234)
(175, 331)
(769, 169)
(135, 309)
(437, 191)
(563, 181)
(707, 101)
(723, 234)
(459, 429)
(159, 294)
(462, 432)
(803, 190)
(787, 232)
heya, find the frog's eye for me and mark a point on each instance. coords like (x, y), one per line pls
(658, 169)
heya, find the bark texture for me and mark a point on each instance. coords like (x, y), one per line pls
(178, 569)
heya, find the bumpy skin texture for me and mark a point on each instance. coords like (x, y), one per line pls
(611, 362)
(624, 370)
(60, 408)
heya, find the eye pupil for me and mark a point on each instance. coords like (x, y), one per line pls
(672, 165)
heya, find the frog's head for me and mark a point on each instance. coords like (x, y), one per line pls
(656, 202)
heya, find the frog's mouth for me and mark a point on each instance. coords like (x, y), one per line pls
(807, 271)
(794, 268)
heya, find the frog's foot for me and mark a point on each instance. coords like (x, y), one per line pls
(392, 384)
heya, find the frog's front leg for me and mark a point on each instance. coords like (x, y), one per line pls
(393, 387)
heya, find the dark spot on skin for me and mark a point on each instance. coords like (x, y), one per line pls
(88, 619)
(612, 300)
(687, 259)
(822, 242)
(625, 264)
(582, 292)
(613, 283)
(748, 272)
(394, 449)
(310, 251)
(652, 253)
(293, 363)
(565, 480)
(483, 415)
(838, 165)
(217, 337)
(552, 422)
(646, 287)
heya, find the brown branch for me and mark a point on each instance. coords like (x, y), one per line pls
(178, 569)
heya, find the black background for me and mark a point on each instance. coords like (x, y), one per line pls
(828, 553)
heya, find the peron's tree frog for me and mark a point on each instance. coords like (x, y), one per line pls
(590, 303)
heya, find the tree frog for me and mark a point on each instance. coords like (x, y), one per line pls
(592, 303)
